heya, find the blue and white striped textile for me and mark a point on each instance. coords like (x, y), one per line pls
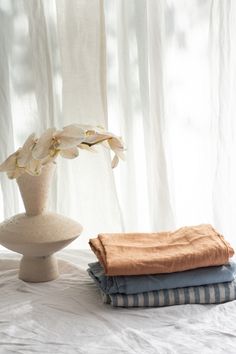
(207, 294)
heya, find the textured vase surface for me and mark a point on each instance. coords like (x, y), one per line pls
(37, 234)
(35, 190)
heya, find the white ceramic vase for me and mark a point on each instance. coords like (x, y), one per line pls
(38, 234)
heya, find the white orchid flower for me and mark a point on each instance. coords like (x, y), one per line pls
(25, 153)
(44, 144)
(87, 147)
(93, 137)
(16, 173)
(117, 146)
(10, 166)
(71, 153)
(52, 143)
(34, 167)
(64, 142)
(25, 159)
(35, 153)
(109, 140)
(114, 161)
(21, 161)
(74, 131)
(10, 163)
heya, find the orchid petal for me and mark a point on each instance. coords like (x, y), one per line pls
(49, 159)
(34, 167)
(117, 146)
(116, 143)
(70, 153)
(25, 154)
(64, 143)
(43, 144)
(10, 163)
(115, 161)
(16, 173)
(74, 131)
(120, 154)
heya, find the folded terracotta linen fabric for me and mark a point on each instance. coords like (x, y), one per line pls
(162, 252)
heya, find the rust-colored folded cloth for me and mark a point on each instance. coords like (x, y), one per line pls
(162, 252)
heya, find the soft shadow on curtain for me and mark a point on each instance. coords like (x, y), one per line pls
(171, 93)
(52, 72)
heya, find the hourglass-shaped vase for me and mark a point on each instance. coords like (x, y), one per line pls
(38, 234)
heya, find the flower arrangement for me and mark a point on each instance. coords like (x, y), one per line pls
(37, 152)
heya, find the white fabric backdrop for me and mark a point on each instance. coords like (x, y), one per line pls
(170, 93)
(53, 68)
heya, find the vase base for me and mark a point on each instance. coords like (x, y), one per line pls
(38, 269)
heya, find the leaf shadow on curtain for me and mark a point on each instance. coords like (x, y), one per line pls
(44, 91)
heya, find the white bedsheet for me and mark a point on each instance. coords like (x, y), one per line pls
(67, 316)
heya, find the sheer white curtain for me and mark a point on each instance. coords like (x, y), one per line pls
(136, 102)
(52, 73)
(171, 93)
(171, 77)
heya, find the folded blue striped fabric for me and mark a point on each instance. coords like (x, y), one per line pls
(144, 283)
(207, 294)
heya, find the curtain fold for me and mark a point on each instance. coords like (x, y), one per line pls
(154, 123)
(136, 100)
(223, 88)
(9, 191)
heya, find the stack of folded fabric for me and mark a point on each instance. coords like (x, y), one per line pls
(189, 266)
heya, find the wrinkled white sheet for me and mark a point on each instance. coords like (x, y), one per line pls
(67, 316)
